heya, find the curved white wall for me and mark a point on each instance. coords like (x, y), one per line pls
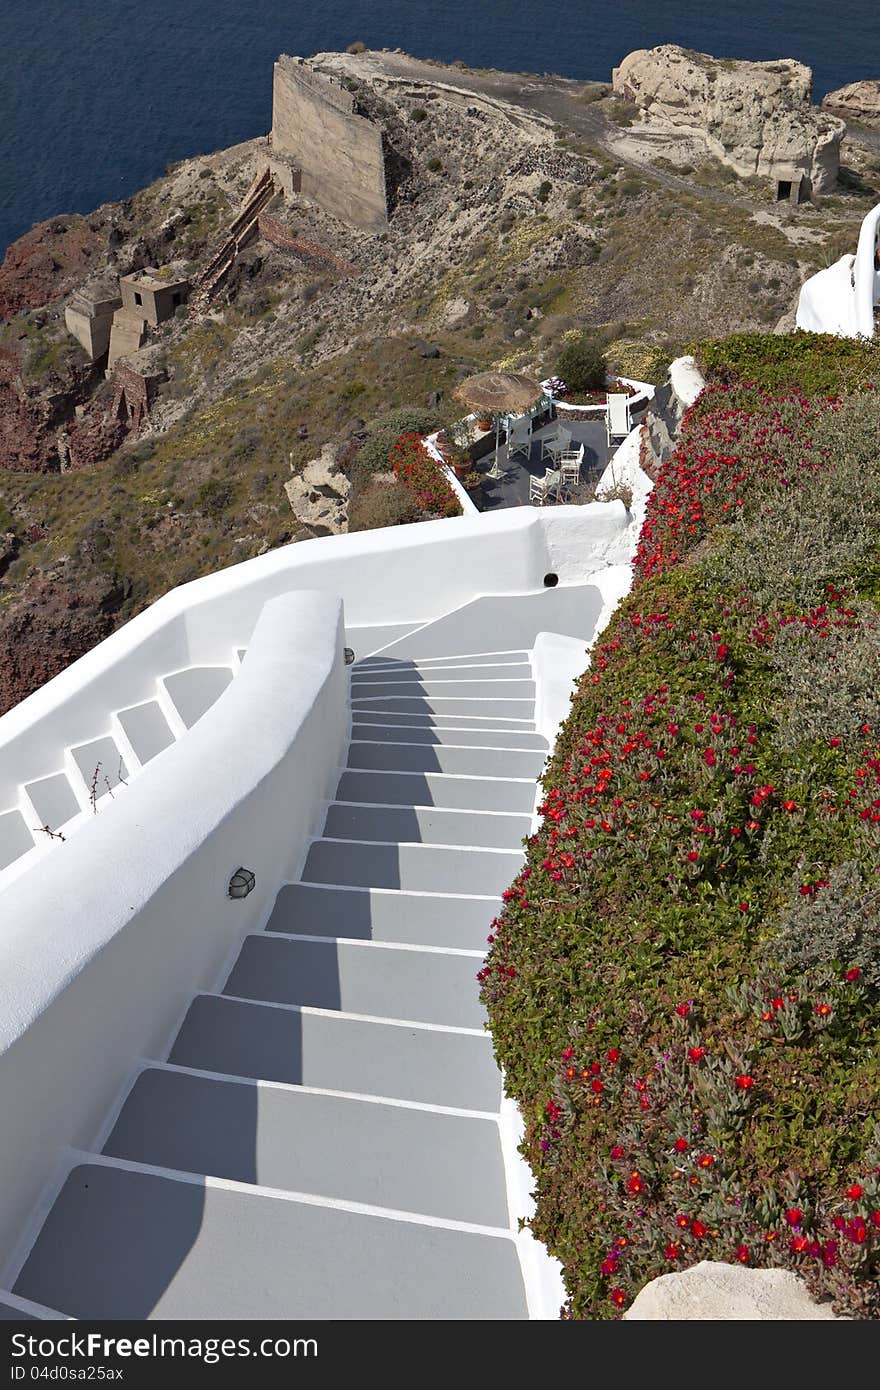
(103, 947)
(401, 574)
(841, 298)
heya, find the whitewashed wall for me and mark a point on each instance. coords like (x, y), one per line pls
(102, 948)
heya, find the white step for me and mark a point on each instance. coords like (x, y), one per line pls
(426, 868)
(426, 825)
(437, 789)
(430, 663)
(363, 718)
(433, 1162)
(481, 762)
(364, 677)
(436, 1066)
(121, 1243)
(497, 707)
(383, 914)
(462, 737)
(194, 690)
(377, 981)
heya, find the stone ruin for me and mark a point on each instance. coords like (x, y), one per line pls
(324, 145)
(756, 118)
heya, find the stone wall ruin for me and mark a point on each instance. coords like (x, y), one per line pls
(338, 155)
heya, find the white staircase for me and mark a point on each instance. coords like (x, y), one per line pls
(323, 1138)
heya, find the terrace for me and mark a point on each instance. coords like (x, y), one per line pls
(508, 468)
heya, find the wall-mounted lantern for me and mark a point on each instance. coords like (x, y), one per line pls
(349, 656)
(242, 883)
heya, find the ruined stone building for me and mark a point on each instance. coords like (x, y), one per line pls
(325, 146)
(148, 299)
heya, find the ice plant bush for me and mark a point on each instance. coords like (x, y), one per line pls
(682, 984)
(420, 474)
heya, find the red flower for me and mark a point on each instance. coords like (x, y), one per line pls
(744, 907)
(744, 1083)
(875, 1218)
(618, 1297)
(857, 1231)
(698, 1229)
(855, 1191)
(743, 1254)
(613, 1054)
(822, 1009)
(682, 1010)
(794, 1216)
(853, 974)
(696, 1054)
(829, 1254)
(682, 1221)
(789, 805)
(609, 1264)
(617, 1151)
(635, 1184)
(705, 1160)
(672, 1250)
(681, 1146)
(798, 1245)
(597, 1086)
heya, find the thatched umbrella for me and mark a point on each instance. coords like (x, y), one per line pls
(499, 393)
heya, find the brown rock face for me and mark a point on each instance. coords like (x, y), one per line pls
(28, 421)
(858, 101)
(757, 118)
(54, 620)
(48, 262)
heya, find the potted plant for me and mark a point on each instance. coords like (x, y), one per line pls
(459, 460)
(472, 481)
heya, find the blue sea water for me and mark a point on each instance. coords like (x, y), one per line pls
(98, 96)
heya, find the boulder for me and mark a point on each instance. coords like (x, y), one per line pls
(857, 101)
(757, 118)
(319, 495)
(712, 1291)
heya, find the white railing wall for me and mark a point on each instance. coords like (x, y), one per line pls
(101, 949)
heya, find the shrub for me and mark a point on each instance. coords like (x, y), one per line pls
(682, 984)
(435, 165)
(420, 474)
(214, 496)
(544, 191)
(828, 670)
(581, 364)
(814, 363)
(383, 505)
(372, 457)
(419, 114)
(838, 925)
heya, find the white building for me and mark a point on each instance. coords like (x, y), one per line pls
(844, 298)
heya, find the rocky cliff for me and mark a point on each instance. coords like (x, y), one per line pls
(857, 101)
(757, 118)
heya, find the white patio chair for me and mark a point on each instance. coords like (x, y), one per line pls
(617, 421)
(540, 489)
(570, 467)
(555, 444)
(519, 436)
